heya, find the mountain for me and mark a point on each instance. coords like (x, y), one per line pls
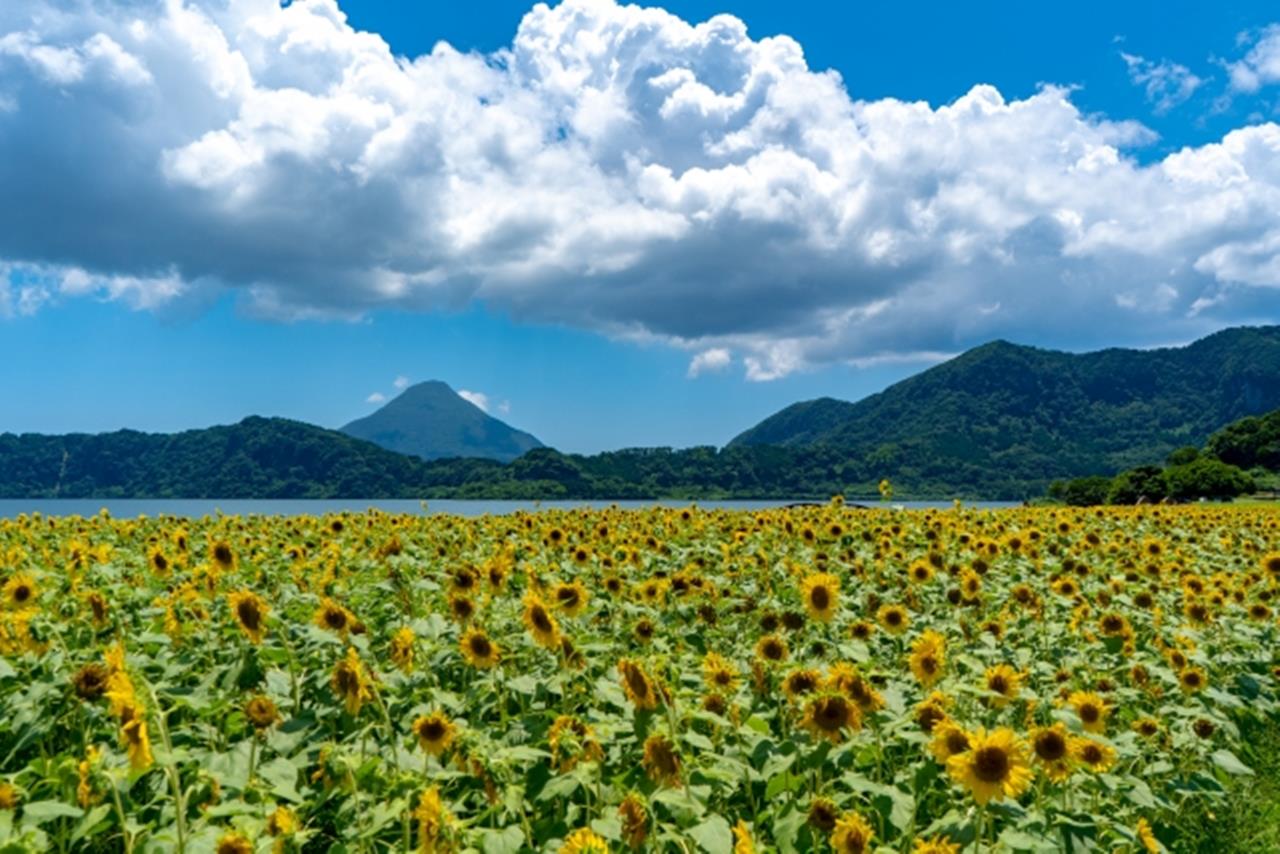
(1004, 412)
(257, 458)
(432, 421)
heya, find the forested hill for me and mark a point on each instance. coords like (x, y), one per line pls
(1004, 411)
(257, 458)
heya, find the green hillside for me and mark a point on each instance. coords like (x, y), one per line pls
(1022, 414)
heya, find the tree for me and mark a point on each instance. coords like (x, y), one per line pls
(1143, 484)
(1081, 491)
(1206, 478)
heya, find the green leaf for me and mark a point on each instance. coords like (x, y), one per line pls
(713, 835)
(39, 812)
(1229, 762)
(90, 821)
(509, 840)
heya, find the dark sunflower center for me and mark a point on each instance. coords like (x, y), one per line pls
(832, 713)
(1091, 754)
(346, 681)
(957, 742)
(999, 684)
(481, 647)
(567, 596)
(1051, 746)
(820, 598)
(250, 617)
(334, 618)
(21, 593)
(1090, 713)
(723, 677)
(991, 765)
(893, 618)
(929, 664)
(538, 616)
(773, 650)
(222, 554)
(639, 684)
(432, 730)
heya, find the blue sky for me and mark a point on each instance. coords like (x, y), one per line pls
(173, 263)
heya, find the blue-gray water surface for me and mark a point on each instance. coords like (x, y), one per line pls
(122, 508)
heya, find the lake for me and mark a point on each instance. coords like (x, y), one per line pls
(123, 508)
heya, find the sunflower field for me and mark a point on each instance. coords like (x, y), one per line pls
(799, 679)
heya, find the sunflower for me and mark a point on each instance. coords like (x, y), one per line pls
(920, 571)
(461, 607)
(282, 821)
(1146, 727)
(1093, 754)
(159, 563)
(893, 619)
(572, 741)
(9, 797)
(862, 630)
(350, 683)
(829, 716)
(936, 845)
(540, 623)
(1004, 682)
(478, 650)
(433, 821)
(435, 732)
(1193, 680)
(570, 598)
(1052, 748)
(584, 841)
(1146, 837)
(261, 712)
(994, 767)
(822, 815)
(233, 843)
(846, 679)
(90, 681)
(742, 843)
(718, 673)
(635, 820)
(402, 643)
(949, 739)
(334, 617)
(222, 556)
(928, 657)
(635, 681)
(1270, 563)
(800, 682)
(134, 738)
(851, 835)
(821, 593)
(250, 611)
(661, 761)
(772, 648)
(1091, 709)
(20, 591)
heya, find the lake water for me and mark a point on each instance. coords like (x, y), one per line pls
(194, 508)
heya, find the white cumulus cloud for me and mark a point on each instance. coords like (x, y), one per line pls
(616, 168)
(401, 383)
(709, 361)
(476, 398)
(1261, 65)
(376, 397)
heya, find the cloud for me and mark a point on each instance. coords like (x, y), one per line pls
(1261, 65)
(1167, 84)
(376, 397)
(476, 398)
(401, 383)
(709, 361)
(616, 169)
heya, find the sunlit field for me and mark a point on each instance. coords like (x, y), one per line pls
(666, 680)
